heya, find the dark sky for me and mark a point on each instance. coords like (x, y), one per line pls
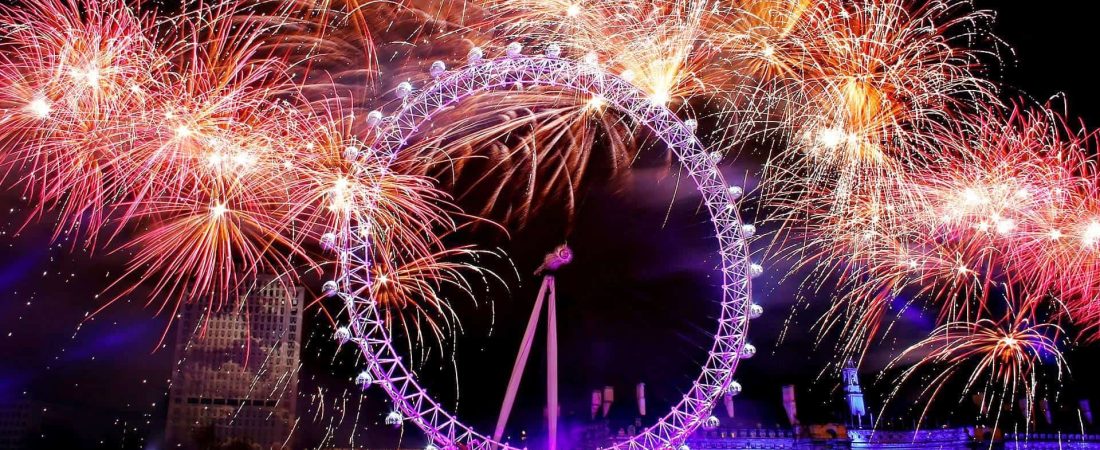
(109, 367)
(1054, 52)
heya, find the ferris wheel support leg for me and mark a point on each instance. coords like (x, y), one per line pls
(552, 367)
(521, 360)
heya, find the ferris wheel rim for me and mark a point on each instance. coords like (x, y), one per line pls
(367, 324)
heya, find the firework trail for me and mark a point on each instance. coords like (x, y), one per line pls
(189, 134)
(1000, 359)
(233, 137)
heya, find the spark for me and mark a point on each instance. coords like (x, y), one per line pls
(218, 210)
(40, 108)
(659, 97)
(596, 103)
(1091, 235)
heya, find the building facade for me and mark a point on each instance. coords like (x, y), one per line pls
(19, 421)
(235, 380)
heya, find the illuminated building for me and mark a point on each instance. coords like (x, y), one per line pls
(236, 375)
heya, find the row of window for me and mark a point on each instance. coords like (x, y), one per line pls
(230, 401)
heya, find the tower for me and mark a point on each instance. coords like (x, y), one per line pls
(236, 375)
(853, 393)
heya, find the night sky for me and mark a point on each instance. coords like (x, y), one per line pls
(633, 305)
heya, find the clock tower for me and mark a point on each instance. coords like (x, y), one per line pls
(853, 393)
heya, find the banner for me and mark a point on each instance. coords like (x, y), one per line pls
(789, 404)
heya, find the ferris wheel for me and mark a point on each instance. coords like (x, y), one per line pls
(385, 367)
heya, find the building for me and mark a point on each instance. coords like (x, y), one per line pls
(853, 394)
(236, 375)
(19, 422)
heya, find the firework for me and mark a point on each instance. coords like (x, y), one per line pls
(188, 133)
(659, 46)
(238, 137)
(999, 359)
(1006, 208)
(1022, 189)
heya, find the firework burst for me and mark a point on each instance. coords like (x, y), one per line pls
(188, 133)
(1000, 359)
(236, 137)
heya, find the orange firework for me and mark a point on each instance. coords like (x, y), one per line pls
(189, 132)
(234, 137)
(659, 46)
(998, 359)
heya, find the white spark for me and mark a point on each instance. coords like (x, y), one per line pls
(40, 108)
